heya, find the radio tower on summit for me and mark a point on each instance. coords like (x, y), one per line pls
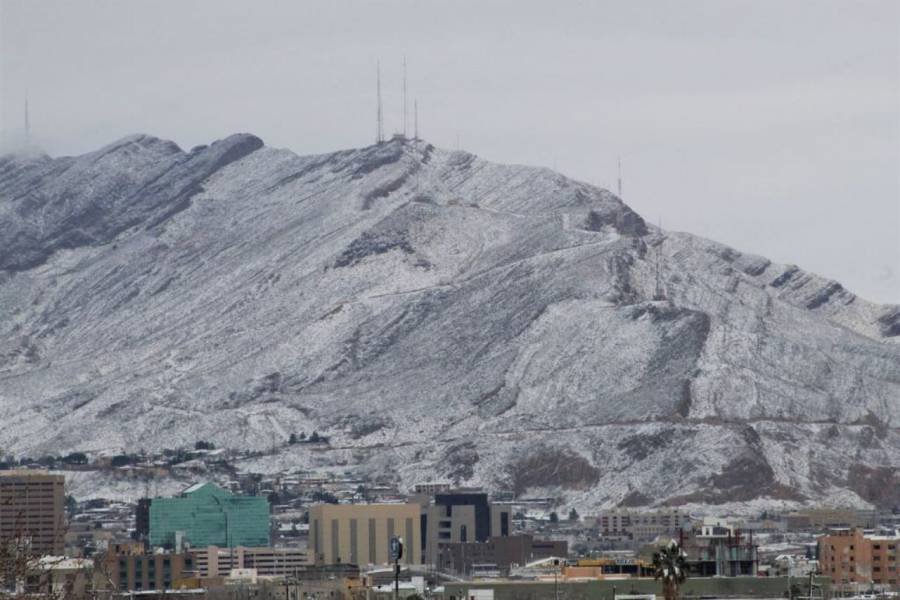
(403, 128)
(620, 177)
(379, 128)
(27, 122)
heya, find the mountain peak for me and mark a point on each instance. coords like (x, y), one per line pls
(430, 312)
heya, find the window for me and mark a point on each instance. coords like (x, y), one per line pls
(463, 534)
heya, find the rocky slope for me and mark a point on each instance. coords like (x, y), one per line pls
(438, 316)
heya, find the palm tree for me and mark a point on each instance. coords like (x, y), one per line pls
(670, 567)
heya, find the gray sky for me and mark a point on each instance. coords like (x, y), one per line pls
(769, 125)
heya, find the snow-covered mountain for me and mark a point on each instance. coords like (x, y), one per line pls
(437, 316)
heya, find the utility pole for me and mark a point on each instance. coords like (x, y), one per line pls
(379, 128)
(556, 579)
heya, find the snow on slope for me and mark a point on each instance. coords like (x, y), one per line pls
(438, 316)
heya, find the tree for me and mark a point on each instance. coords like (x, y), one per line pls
(670, 567)
(204, 445)
(293, 439)
(573, 514)
(554, 518)
(75, 458)
(120, 460)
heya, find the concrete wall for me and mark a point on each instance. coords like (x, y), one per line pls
(722, 587)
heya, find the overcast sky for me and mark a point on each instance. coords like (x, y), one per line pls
(772, 126)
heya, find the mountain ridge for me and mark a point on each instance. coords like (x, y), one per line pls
(400, 293)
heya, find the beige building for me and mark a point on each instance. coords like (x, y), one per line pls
(641, 525)
(213, 561)
(361, 533)
(32, 510)
(431, 487)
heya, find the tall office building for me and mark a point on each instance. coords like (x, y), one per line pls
(461, 517)
(206, 515)
(32, 511)
(360, 534)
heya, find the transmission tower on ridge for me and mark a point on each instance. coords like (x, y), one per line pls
(403, 129)
(620, 177)
(416, 120)
(27, 123)
(658, 293)
(379, 129)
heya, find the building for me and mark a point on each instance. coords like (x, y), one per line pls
(431, 488)
(206, 515)
(214, 561)
(128, 568)
(461, 517)
(32, 511)
(604, 589)
(850, 556)
(719, 550)
(57, 577)
(501, 553)
(793, 565)
(819, 519)
(360, 534)
(641, 525)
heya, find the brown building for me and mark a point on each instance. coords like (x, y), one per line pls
(502, 552)
(127, 568)
(849, 556)
(32, 510)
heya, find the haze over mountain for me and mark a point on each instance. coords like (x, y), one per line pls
(437, 316)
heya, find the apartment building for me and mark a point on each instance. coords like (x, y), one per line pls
(32, 510)
(128, 568)
(641, 525)
(431, 487)
(214, 561)
(360, 533)
(850, 556)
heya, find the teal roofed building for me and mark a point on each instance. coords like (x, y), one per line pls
(206, 515)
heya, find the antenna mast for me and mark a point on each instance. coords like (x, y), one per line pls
(620, 177)
(403, 129)
(416, 120)
(27, 123)
(379, 130)
(658, 293)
